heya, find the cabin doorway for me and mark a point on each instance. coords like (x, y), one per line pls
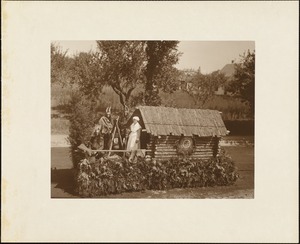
(145, 139)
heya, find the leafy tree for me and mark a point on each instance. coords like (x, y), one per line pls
(60, 65)
(122, 66)
(203, 86)
(243, 82)
(87, 73)
(126, 65)
(159, 72)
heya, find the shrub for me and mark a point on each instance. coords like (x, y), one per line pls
(116, 175)
(82, 119)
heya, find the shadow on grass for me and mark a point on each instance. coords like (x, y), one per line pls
(64, 179)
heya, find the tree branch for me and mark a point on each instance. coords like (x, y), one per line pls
(120, 95)
(129, 93)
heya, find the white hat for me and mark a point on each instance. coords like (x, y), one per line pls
(136, 118)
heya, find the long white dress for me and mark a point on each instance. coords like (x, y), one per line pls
(132, 145)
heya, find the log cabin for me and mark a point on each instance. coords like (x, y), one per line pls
(175, 132)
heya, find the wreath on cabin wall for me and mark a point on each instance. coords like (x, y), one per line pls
(185, 146)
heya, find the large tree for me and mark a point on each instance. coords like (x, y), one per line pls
(126, 65)
(243, 82)
(122, 66)
(160, 71)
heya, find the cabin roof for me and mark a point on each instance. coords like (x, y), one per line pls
(180, 121)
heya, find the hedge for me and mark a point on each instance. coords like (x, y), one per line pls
(100, 177)
(82, 120)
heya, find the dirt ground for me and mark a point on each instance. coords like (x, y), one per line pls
(62, 178)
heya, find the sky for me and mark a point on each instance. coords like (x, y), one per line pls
(208, 55)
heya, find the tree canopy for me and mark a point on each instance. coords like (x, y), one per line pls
(160, 72)
(87, 73)
(126, 65)
(122, 66)
(60, 65)
(243, 83)
(203, 86)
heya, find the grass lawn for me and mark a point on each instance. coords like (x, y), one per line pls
(59, 126)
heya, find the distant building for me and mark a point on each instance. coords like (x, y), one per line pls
(228, 70)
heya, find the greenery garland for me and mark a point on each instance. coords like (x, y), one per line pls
(100, 177)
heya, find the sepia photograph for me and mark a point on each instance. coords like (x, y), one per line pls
(152, 119)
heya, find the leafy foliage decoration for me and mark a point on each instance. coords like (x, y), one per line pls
(111, 176)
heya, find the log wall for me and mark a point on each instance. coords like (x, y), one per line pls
(165, 147)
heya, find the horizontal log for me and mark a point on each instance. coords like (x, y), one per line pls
(175, 156)
(167, 137)
(175, 150)
(179, 138)
(175, 153)
(171, 136)
(174, 140)
(200, 158)
(191, 157)
(160, 142)
(206, 158)
(165, 146)
(168, 158)
(166, 150)
(210, 143)
(206, 144)
(165, 153)
(201, 155)
(204, 150)
(175, 136)
(175, 145)
(195, 149)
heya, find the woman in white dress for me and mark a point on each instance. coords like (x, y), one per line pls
(134, 136)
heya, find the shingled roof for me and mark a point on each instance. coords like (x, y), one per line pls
(180, 121)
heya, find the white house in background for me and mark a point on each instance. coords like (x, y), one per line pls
(228, 70)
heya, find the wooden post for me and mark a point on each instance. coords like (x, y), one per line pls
(119, 132)
(113, 135)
